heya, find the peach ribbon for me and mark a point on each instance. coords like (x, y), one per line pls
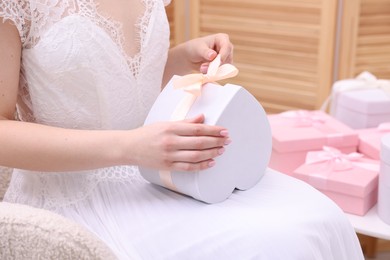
(370, 82)
(192, 84)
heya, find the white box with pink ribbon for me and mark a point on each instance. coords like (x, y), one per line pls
(296, 132)
(350, 180)
(362, 102)
(384, 180)
(244, 161)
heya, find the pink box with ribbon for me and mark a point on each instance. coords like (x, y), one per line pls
(350, 180)
(294, 133)
(244, 161)
(370, 140)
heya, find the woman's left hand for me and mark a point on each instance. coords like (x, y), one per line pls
(196, 55)
(201, 51)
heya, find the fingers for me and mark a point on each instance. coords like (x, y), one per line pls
(192, 167)
(196, 160)
(189, 145)
(190, 129)
(204, 67)
(209, 54)
(190, 153)
(200, 142)
(218, 44)
(224, 47)
(197, 119)
(197, 156)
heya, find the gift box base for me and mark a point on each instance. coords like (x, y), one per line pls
(244, 161)
(384, 203)
(354, 205)
(358, 120)
(288, 162)
(384, 182)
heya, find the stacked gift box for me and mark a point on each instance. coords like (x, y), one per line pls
(339, 153)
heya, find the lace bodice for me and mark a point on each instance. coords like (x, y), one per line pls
(85, 65)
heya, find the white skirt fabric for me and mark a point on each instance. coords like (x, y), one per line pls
(280, 218)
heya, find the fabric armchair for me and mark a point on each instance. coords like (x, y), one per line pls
(31, 233)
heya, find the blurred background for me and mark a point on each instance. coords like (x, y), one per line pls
(290, 52)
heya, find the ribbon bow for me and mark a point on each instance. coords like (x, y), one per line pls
(367, 80)
(192, 84)
(338, 161)
(304, 118)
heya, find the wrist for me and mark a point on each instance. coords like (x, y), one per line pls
(124, 150)
(179, 57)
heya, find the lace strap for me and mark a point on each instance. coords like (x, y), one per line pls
(32, 17)
(16, 11)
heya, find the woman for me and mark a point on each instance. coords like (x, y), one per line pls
(83, 75)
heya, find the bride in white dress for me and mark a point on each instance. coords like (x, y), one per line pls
(83, 75)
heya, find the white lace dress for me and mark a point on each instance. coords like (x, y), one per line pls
(98, 65)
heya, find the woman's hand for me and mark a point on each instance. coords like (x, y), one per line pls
(187, 145)
(196, 54)
(201, 51)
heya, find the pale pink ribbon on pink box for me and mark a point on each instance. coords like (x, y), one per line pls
(336, 161)
(305, 118)
(193, 85)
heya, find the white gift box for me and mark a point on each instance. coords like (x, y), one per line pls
(363, 108)
(384, 181)
(244, 161)
(363, 102)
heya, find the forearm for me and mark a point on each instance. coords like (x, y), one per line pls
(43, 148)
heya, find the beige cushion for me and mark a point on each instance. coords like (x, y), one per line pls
(30, 233)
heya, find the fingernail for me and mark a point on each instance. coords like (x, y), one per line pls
(203, 68)
(210, 54)
(211, 164)
(228, 141)
(221, 151)
(224, 133)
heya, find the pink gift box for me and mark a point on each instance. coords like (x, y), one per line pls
(370, 140)
(350, 180)
(294, 133)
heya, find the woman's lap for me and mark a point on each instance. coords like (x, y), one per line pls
(280, 218)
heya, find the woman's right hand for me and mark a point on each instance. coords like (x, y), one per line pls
(187, 145)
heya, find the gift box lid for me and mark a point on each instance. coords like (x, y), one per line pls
(352, 180)
(385, 149)
(303, 130)
(365, 101)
